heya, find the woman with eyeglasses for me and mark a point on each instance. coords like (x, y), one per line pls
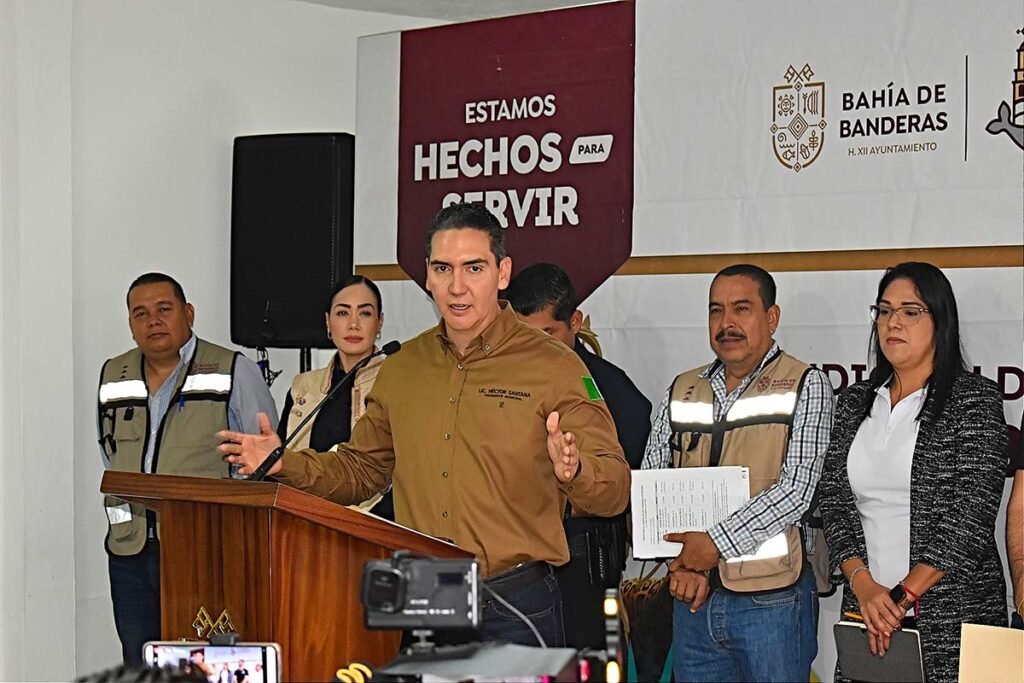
(354, 318)
(913, 477)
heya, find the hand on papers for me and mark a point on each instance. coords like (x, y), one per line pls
(249, 450)
(699, 552)
(881, 615)
(690, 587)
(565, 456)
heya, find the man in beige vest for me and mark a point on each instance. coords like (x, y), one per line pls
(160, 405)
(736, 617)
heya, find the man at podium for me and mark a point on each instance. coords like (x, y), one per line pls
(486, 426)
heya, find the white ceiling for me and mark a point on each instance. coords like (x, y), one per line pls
(453, 10)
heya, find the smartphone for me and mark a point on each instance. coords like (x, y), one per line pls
(240, 663)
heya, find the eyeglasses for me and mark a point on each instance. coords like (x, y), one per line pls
(910, 315)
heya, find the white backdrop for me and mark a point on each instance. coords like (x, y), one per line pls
(708, 182)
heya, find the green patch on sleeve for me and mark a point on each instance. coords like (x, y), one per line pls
(593, 393)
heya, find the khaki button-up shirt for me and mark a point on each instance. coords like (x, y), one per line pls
(464, 439)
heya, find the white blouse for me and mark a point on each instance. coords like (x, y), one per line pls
(878, 466)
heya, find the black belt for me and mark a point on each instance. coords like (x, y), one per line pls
(514, 580)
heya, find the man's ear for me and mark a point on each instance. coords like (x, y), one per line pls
(426, 279)
(576, 321)
(504, 272)
(774, 315)
(190, 314)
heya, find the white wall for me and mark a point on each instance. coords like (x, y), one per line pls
(37, 494)
(116, 125)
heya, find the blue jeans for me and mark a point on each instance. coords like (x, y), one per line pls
(1016, 621)
(767, 636)
(135, 592)
(540, 602)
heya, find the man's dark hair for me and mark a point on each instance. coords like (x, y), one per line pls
(765, 281)
(351, 280)
(473, 216)
(937, 294)
(539, 286)
(156, 278)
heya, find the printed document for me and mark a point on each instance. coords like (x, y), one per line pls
(682, 499)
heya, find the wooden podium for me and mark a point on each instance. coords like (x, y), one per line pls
(272, 563)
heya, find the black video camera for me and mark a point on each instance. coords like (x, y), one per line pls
(414, 592)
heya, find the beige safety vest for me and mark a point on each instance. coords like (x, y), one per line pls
(753, 434)
(187, 442)
(309, 388)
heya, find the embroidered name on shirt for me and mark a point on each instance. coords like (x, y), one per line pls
(508, 394)
(205, 367)
(765, 384)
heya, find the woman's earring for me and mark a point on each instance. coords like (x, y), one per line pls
(378, 335)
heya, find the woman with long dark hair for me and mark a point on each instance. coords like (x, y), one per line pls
(354, 318)
(913, 476)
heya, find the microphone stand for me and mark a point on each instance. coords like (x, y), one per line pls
(261, 472)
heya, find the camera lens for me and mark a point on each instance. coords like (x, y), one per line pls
(384, 592)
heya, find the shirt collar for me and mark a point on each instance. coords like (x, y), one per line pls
(491, 338)
(883, 391)
(718, 366)
(187, 349)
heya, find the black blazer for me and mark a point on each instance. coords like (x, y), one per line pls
(630, 409)
(956, 488)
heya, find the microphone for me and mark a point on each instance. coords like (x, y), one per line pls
(260, 472)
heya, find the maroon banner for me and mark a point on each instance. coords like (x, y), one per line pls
(533, 116)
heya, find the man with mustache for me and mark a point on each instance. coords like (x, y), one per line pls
(760, 408)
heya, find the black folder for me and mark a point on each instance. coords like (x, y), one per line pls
(901, 662)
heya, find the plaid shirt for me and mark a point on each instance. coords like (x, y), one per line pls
(784, 502)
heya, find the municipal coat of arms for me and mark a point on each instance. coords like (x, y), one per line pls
(798, 118)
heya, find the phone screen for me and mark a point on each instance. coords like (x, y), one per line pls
(242, 663)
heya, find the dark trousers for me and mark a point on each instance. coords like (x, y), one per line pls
(582, 605)
(135, 592)
(533, 590)
(1016, 621)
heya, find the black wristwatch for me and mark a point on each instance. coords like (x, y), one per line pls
(900, 597)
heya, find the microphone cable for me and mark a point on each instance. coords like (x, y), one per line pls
(513, 610)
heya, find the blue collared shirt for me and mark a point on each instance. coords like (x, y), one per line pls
(249, 397)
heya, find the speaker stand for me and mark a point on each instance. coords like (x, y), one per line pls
(305, 359)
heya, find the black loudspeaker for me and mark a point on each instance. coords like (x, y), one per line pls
(291, 235)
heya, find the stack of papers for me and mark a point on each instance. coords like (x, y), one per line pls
(682, 499)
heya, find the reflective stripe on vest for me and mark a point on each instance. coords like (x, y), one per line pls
(760, 406)
(207, 382)
(118, 391)
(119, 514)
(682, 412)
